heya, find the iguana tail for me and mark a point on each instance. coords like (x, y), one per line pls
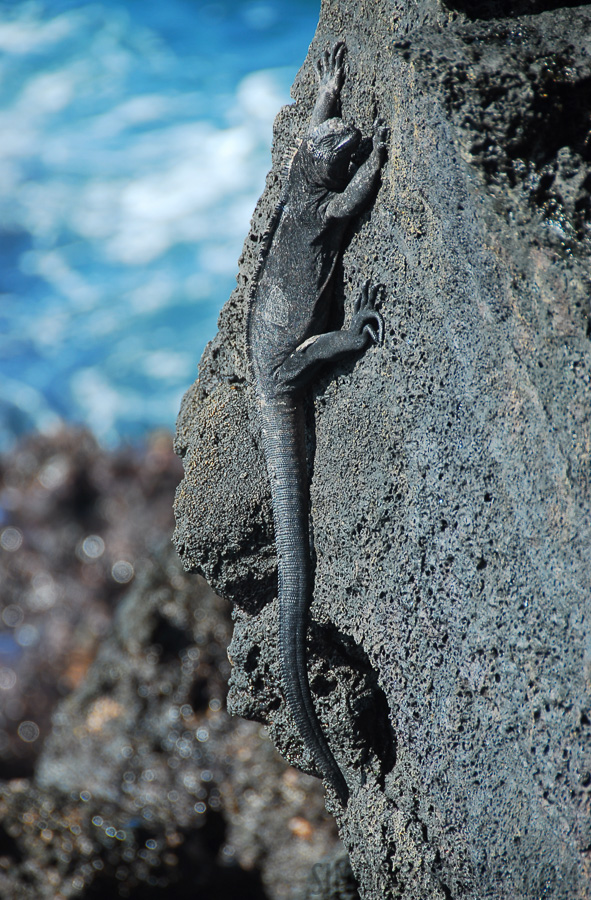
(285, 451)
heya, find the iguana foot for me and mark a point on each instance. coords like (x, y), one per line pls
(366, 318)
(380, 139)
(367, 324)
(330, 68)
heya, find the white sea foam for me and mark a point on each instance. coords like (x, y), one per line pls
(130, 206)
(28, 34)
(100, 403)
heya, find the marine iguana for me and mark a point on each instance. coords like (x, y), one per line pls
(287, 344)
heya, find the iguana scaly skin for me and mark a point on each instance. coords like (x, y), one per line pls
(287, 345)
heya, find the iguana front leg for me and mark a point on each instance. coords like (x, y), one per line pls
(330, 71)
(367, 325)
(352, 200)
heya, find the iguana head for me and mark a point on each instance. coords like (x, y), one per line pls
(328, 151)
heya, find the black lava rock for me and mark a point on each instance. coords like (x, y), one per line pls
(449, 647)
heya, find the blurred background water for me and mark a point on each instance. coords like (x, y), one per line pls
(134, 141)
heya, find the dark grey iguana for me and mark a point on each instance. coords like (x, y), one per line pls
(287, 345)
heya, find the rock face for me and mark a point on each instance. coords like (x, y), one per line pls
(450, 641)
(140, 785)
(145, 787)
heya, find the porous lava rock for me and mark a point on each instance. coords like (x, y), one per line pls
(139, 785)
(450, 635)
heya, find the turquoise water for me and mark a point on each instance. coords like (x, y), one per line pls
(135, 142)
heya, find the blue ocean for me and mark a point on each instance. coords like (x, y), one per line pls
(135, 139)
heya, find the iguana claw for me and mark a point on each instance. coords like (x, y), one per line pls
(330, 68)
(365, 315)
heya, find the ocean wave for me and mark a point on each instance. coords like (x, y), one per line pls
(129, 169)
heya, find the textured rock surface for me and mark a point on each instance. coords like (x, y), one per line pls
(450, 645)
(145, 786)
(140, 785)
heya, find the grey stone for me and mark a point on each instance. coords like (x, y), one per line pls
(145, 787)
(450, 642)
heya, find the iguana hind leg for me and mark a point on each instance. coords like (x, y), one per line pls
(367, 326)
